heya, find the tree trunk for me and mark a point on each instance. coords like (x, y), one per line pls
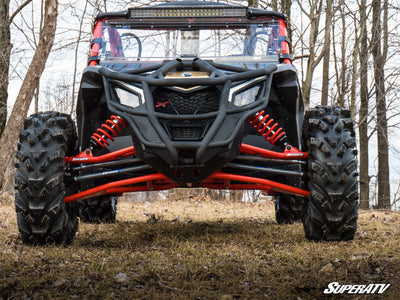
(313, 60)
(326, 61)
(30, 83)
(354, 76)
(308, 82)
(36, 96)
(343, 69)
(381, 121)
(363, 113)
(5, 50)
(286, 9)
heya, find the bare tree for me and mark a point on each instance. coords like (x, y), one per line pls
(5, 53)
(341, 68)
(37, 91)
(354, 72)
(326, 62)
(286, 6)
(379, 45)
(344, 82)
(363, 112)
(314, 58)
(5, 50)
(21, 106)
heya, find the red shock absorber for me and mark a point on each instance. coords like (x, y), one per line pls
(107, 131)
(268, 128)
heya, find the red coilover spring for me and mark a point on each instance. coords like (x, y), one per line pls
(107, 131)
(268, 128)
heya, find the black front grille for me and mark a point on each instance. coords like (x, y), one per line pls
(186, 130)
(186, 133)
(180, 103)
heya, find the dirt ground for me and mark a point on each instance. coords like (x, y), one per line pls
(198, 249)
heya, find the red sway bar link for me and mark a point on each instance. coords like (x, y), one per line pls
(269, 129)
(110, 129)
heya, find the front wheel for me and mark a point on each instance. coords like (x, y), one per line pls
(42, 215)
(331, 211)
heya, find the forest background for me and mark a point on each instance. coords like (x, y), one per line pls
(346, 53)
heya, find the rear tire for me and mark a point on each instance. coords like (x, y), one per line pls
(42, 215)
(288, 209)
(331, 211)
(98, 210)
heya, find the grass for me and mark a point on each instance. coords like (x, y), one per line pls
(197, 249)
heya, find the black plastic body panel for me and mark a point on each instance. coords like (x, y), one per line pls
(190, 161)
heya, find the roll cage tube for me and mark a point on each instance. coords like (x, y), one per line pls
(284, 43)
(96, 43)
(277, 39)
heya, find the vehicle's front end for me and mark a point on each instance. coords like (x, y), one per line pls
(196, 77)
(196, 94)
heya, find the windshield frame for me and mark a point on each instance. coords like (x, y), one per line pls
(197, 24)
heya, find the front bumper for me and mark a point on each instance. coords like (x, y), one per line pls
(189, 141)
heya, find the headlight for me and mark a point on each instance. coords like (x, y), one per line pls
(247, 96)
(127, 98)
(128, 95)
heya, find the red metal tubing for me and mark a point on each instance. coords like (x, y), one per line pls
(127, 189)
(289, 153)
(284, 44)
(113, 187)
(264, 183)
(96, 46)
(240, 186)
(86, 157)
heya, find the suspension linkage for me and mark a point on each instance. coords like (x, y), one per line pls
(269, 160)
(263, 169)
(289, 153)
(111, 173)
(108, 164)
(86, 157)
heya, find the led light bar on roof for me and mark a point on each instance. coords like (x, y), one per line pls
(195, 12)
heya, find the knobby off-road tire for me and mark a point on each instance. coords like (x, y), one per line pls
(288, 209)
(98, 210)
(42, 215)
(331, 211)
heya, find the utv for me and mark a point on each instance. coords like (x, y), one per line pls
(187, 94)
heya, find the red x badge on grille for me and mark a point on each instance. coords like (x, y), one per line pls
(161, 104)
